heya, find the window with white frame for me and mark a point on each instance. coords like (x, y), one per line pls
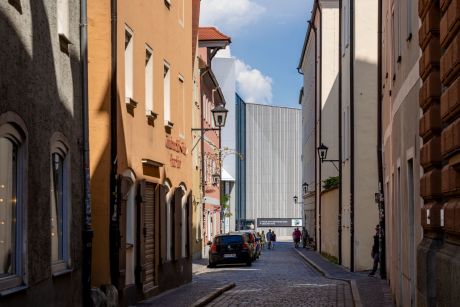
(129, 63)
(345, 26)
(11, 207)
(393, 47)
(180, 11)
(409, 19)
(167, 93)
(398, 12)
(181, 101)
(148, 81)
(60, 206)
(63, 20)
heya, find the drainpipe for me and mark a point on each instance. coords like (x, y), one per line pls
(381, 204)
(203, 188)
(352, 136)
(339, 217)
(320, 113)
(114, 232)
(87, 223)
(316, 128)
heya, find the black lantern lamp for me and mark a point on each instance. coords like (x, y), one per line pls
(219, 113)
(305, 188)
(295, 199)
(322, 151)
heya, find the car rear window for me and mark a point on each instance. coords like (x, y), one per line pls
(229, 239)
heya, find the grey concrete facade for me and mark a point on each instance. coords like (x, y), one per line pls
(40, 99)
(272, 150)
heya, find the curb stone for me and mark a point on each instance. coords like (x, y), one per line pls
(351, 282)
(210, 297)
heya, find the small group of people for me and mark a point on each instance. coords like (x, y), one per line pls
(271, 239)
(298, 235)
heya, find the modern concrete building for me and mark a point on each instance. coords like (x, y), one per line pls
(269, 175)
(41, 158)
(400, 86)
(141, 90)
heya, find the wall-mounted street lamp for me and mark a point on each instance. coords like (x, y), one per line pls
(322, 153)
(304, 190)
(215, 179)
(219, 114)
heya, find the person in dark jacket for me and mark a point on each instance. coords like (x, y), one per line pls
(375, 253)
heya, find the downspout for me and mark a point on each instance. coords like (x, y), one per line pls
(381, 203)
(339, 217)
(203, 188)
(316, 130)
(320, 113)
(87, 235)
(352, 137)
(114, 232)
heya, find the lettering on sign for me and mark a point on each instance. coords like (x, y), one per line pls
(177, 146)
(175, 161)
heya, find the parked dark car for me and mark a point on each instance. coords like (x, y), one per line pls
(231, 248)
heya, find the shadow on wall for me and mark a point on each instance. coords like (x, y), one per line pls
(29, 87)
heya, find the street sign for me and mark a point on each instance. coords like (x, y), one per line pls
(279, 222)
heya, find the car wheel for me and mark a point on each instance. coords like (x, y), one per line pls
(211, 265)
(249, 263)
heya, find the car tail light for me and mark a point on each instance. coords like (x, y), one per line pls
(245, 246)
(213, 248)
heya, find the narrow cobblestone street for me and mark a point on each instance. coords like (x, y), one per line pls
(279, 278)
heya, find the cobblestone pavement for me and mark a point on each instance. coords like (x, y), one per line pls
(373, 291)
(279, 278)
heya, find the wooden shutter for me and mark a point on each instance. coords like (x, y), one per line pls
(177, 227)
(147, 236)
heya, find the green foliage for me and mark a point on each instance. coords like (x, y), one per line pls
(330, 257)
(331, 182)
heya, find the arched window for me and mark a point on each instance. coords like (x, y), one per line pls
(169, 221)
(12, 187)
(60, 203)
(184, 222)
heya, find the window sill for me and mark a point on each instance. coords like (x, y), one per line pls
(151, 115)
(62, 272)
(64, 39)
(169, 124)
(131, 104)
(14, 290)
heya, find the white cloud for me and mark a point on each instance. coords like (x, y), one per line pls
(229, 14)
(253, 86)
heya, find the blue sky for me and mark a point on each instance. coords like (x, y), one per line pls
(267, 39)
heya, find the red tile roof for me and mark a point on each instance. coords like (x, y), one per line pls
(212, 34)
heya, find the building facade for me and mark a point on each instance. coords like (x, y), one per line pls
(269, 138)
(437, 253)
(401, 144)
(141, 92)
(41, 164)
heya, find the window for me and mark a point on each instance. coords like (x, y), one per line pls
(167, 93)
(184, 222)
(409, 19)
(169, 222)
(60, 207)
(148, 81)
(180, 12)
(345, 26)
(393, 49)
(129, 73)
(181, 101)
(63, 20)
(399, 30)
(11, 206)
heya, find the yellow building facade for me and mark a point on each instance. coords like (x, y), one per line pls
(140, 96)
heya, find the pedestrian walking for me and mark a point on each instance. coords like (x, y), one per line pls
(375, 253)
(262, 239)
(304, 237)
(273, 239)
(269, 238)
(296, 235)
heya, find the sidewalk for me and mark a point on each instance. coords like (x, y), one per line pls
(373, 291)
